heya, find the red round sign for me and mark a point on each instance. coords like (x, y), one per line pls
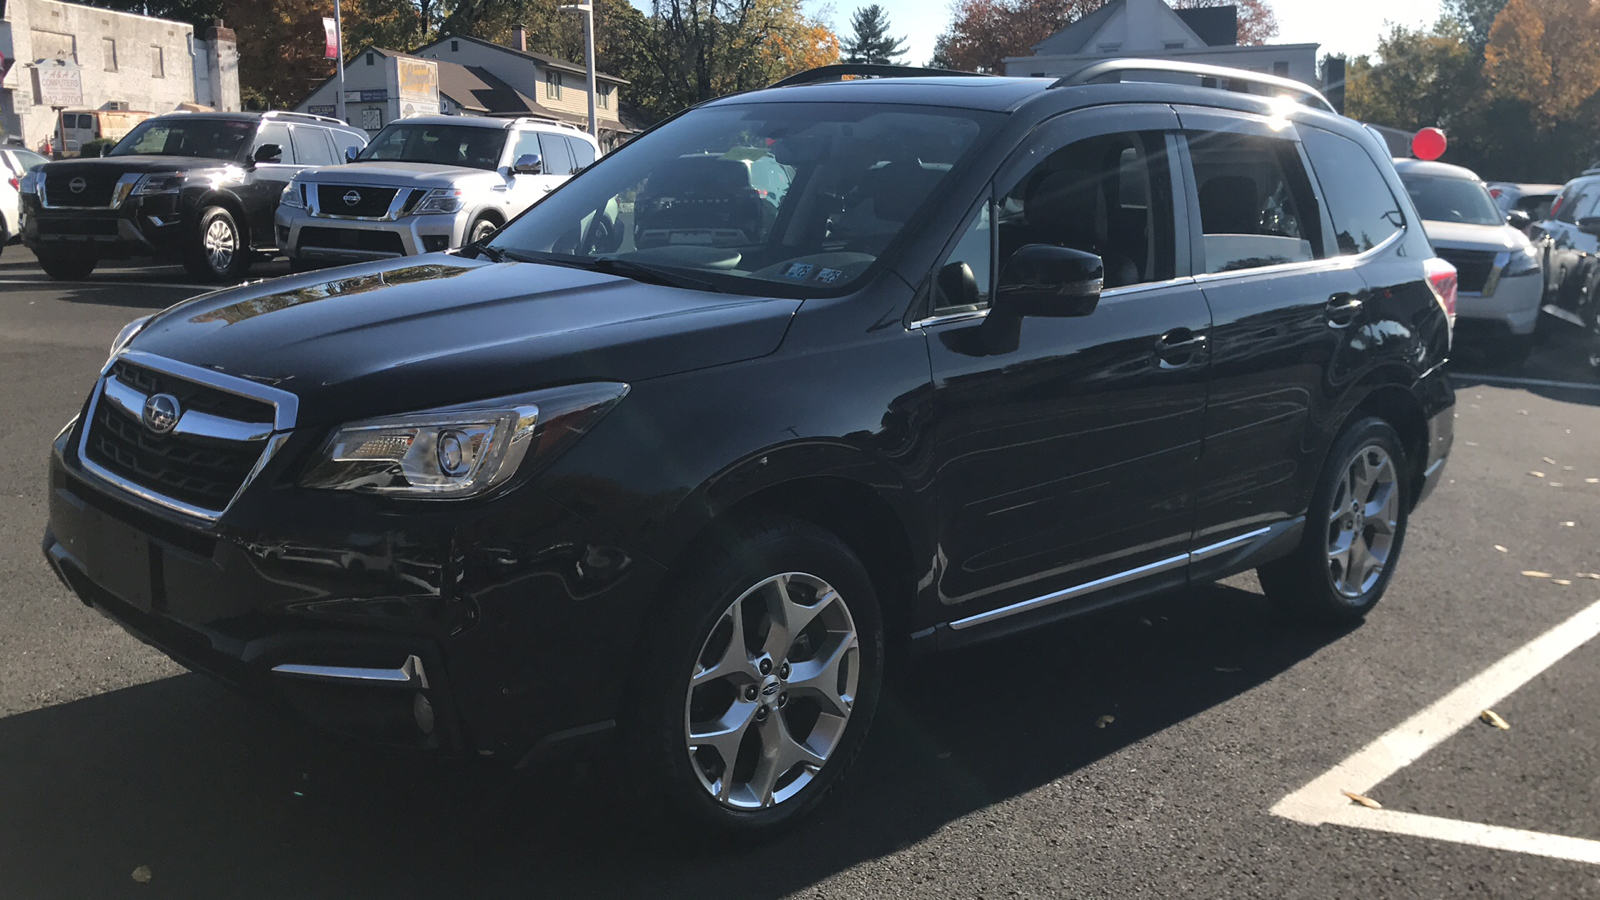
(1429, 143)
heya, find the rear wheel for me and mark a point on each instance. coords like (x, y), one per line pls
(66, 265)
(760, 682)
(219, 250)
(1354, 530)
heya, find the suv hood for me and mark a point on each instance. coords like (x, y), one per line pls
(1474, 237)
(144, 164)
(396, 174)
(410, 334)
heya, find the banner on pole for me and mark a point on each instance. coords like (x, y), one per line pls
(331, 32)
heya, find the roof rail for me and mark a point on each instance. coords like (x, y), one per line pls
(1236, 79)
(844, 71)
(279, 113)
(535, 120)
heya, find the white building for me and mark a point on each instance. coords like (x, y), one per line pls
(120, 61)
(1151, 28)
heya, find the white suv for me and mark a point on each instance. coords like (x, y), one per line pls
(424, 184)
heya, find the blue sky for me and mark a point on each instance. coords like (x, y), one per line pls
(1348, 26)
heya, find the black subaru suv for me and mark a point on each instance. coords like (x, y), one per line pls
(200, 188)
(1012, 350)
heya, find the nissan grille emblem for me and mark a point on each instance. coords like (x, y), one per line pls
(161, 413)
(352, 198)
(77, 184)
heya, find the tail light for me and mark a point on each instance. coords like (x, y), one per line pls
(15, 182)
(1556, 205)
(1442, 279)
(1495, 193)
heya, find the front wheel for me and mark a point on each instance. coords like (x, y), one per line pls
(480, 230)
(219, 250)
(759, 682)
(1353, 534)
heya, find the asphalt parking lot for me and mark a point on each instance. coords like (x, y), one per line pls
(994, 772)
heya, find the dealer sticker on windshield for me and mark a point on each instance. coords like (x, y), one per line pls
(798, 270)
(829, 276)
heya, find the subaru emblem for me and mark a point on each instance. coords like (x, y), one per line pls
(77, 185)
(161, 413)
(352, 198)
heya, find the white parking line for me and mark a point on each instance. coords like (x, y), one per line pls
(1321, 801)
(1515, 381)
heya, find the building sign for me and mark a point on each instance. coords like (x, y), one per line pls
(417, 79)
(330, 33)
(57, 82)
(328, 110)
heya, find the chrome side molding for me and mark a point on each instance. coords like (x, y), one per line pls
(410, 672)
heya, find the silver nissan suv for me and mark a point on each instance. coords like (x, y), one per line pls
(424, 184)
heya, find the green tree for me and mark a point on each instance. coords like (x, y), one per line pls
(871, 42)
(1476, 17)
(1418, 77)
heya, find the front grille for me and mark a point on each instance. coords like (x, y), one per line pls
(193, 470)
(1472, 267)
(98, 188)
(191, 395)
(371, 202)
(94, 227)
(352, 239)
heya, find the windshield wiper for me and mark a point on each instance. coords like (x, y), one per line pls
(493, 254)
(650, 274)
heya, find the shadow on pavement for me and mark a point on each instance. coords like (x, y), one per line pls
(221, 800)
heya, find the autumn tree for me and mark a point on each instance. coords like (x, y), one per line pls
(870, 41)
(1545, 54)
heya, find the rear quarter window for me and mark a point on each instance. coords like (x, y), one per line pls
(1364, 211)
(557, 158)
(582, 152)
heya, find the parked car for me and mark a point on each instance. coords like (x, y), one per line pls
(425, 184)
(1499, 285)
(77, 127)
(1524, 204)
(1081, 341)
(715, 199)
(200, 188)
(1569, 241)
(14, 164)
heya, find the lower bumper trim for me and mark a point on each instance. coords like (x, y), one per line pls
(410, 672)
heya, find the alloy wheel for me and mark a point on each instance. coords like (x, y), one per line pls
(220, 244)
(772, 691)
(1362, 522)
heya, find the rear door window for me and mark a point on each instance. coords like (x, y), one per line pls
(311, 147)
(275, 133)
(1363, 210)
(557, 158)
(1256, 204)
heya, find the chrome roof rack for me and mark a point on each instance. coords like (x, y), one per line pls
(535, 120)
(1237, 80)
(280, 113)
(844, 71)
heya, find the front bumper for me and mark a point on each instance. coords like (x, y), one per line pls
(1513, 306)
(486, 630)
(324, 238)
(148, 225)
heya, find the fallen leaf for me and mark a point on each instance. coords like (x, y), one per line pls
(1501, 549)
(1472, 443)
(142, 874)
(1556, 484)
(1548, 460)
(1566, 468)
(1226, 669)
(1533, 574)
(1522, 412)
(1103, 721)
(1368, 802)
(1591, 481)
(1569, 524)
(1537, 474)
(1559, 581)
(1593, 575)
(1493, 718)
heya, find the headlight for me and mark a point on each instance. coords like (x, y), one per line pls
(457, 452)
(293, 196)
(128, 332)
(439, 200)
(159, 183)
(31, 182)
(1523, 262)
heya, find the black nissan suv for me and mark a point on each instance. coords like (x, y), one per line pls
(1011, 350)
(200, 188)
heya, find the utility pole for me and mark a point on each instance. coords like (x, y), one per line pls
(338, 33)
(587, 9)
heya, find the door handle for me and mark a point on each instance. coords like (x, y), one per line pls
(1180, 347)
(1341, 310)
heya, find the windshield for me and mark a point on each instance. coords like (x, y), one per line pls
(187, 136)
(1452, 200)
(444, 145)
(789, 198)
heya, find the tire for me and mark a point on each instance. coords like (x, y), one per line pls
(219, 249)
(1317, 582)
(732, 581)
(66, 266)
(480, 229)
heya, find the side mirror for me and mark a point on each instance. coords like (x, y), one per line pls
(1044, 280)
(528, 164)
(350, 153)
(268, 153)
(1589, 225)
(1519, 219)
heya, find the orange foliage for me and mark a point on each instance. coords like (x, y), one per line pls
(1545, 53)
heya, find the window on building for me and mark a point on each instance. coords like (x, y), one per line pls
(370, 57)
(108, 49)
(455, 46)
(1280, 69)
(604, 97)
(552, 85)
(158, 63)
